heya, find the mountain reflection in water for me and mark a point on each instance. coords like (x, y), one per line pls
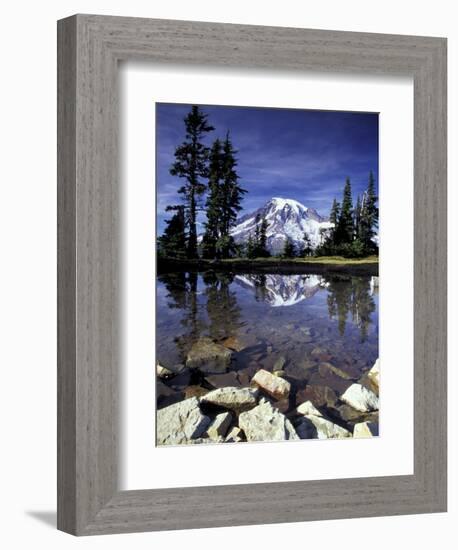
(279, 315)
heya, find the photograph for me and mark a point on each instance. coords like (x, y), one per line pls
(267, 274)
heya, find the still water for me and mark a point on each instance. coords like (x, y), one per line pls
(293, 322)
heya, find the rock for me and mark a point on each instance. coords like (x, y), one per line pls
(325, 368)
(195, 391)
(368, 383)
(374, 374)
(233, 343)
(181, 381)
(320, 396)
(279, 363)
(321, 354)
(365, 429)
(180, 423)
(166, 396)
(282, 405)
(223, 380)
(245, 376)
(208, 356)
(234, 436)
(313, 426)
(235, 399)
(352, 416)
(218, 428)
(264, 423)
(360, 398)
(330, 380)
(163, 372)
(274, 385)
(308, 408)
(280, 373)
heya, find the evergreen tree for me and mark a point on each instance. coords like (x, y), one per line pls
(192, 164)
(262, 242)
(345, 226)
(289, 250)
(334, 219)
(369, 217)
(172, 244)
(250, 247)
(231, 198)
(307, 249)
(214, 201)
(357, 218)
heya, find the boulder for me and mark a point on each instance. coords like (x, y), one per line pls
(195, 391)
(320, 396)
(180, 423)
(218, 428)
(264, 423)
(235, 399)
(312, 427)
(307, 409)
(208, 356)
(374, 374)
(360, 398)
(222, 380)
(365, 429)
(166, 396)
(275, 386)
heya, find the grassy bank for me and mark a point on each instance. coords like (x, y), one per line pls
(363, 266)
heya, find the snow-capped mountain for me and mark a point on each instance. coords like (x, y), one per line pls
(282, 290)
(286, 218)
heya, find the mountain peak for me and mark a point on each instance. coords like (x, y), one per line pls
(286, 219)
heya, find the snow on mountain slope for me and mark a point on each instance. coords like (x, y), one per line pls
(286, 218)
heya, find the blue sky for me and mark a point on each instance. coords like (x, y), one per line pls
(299, 154)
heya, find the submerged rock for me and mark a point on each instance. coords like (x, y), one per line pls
(320, 396)
(325, 368)
(208, 356)
(365, 429)
(180, 423)
(235, 399)
(218, 428)
(195, 391)
(234, 343)
(360, 398)
(222, 380)
(264, 423)
(274, 385)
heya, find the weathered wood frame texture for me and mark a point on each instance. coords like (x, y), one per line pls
(89, 49)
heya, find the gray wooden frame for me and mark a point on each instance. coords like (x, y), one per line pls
(89, 48)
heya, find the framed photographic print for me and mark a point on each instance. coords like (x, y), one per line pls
(252, 275)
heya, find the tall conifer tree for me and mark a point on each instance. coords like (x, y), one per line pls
(192, 164)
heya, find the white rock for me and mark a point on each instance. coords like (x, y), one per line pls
(374, 374)
(264, 423)
(318, 427)
(273, 385)
(307, 408)
(180, 423)
(234, 436)
(365, 429)
(360, 398)
(235, 399)
(163, 372)
(218, 428)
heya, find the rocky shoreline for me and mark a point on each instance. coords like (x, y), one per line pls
(204, 401)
